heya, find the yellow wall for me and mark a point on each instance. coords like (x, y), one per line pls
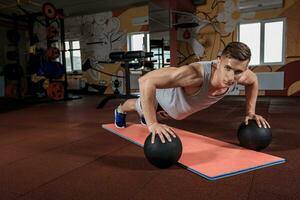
(214, 42)
(127, 16)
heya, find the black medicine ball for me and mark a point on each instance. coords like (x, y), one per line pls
(162, 155)
(253, 137)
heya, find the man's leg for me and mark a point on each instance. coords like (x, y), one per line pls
(121, 110)
(127, 106)
(138, 108)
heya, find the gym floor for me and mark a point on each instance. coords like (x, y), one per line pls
(59, 151)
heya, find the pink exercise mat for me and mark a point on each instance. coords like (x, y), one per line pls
(207, 157)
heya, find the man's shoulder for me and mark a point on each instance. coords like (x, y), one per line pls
(202, 63)
(206, 62)
(199, 67)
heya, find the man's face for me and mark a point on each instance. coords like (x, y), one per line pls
(229, 70)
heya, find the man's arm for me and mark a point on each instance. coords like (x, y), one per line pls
(169, 77)
(249, 80)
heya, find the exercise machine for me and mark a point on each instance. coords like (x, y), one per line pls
(130, 59)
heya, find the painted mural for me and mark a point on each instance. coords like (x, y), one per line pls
(99, 35)
(217, 20)
(225, 15)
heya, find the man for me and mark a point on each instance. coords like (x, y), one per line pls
(185, 90)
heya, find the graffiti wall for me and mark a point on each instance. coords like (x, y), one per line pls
(218, 21)
(102, 33)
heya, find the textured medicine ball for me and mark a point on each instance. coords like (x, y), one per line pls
(52, 31)
(12, 55)
(49, 10)
(253, 137)
(53, 53)
(162, 155)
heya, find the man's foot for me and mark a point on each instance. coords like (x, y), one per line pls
(120, 119)
(143, 121)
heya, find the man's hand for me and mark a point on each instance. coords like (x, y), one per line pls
(162, 130)
(259, 120)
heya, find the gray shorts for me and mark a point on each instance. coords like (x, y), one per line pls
(138, 106)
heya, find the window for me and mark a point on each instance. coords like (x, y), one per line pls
(141, 42)
(265, 39)
(73, 56)
(138, 42)
(160, 53)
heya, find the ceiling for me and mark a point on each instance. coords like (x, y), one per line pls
(71, 7)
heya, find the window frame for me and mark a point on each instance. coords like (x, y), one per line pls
(71, 55)
(146, 47)
(262, 38)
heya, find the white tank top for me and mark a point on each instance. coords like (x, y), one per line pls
(179, 105)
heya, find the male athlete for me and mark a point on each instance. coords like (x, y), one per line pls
(181, 91)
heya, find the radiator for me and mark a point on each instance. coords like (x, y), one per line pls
(266, 81)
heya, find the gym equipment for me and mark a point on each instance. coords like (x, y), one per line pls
(117, 84)
(35, 78)
(49, 10)
(101, 86)
(52, 31)
(127, 58)
(13, 36)
(12, 55)
(52, 70)
(117, 55)
(13, 71)
(11, 90)
(87, 65)
(207, 157)
(52, 19)
(53, 53)
(46, 84)
(253, 137)
(56, 90)
(162, 155)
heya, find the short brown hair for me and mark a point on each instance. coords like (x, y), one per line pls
(237, 50)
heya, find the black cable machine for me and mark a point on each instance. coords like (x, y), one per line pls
(126, 59)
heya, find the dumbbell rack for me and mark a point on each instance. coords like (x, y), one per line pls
(12, 55)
